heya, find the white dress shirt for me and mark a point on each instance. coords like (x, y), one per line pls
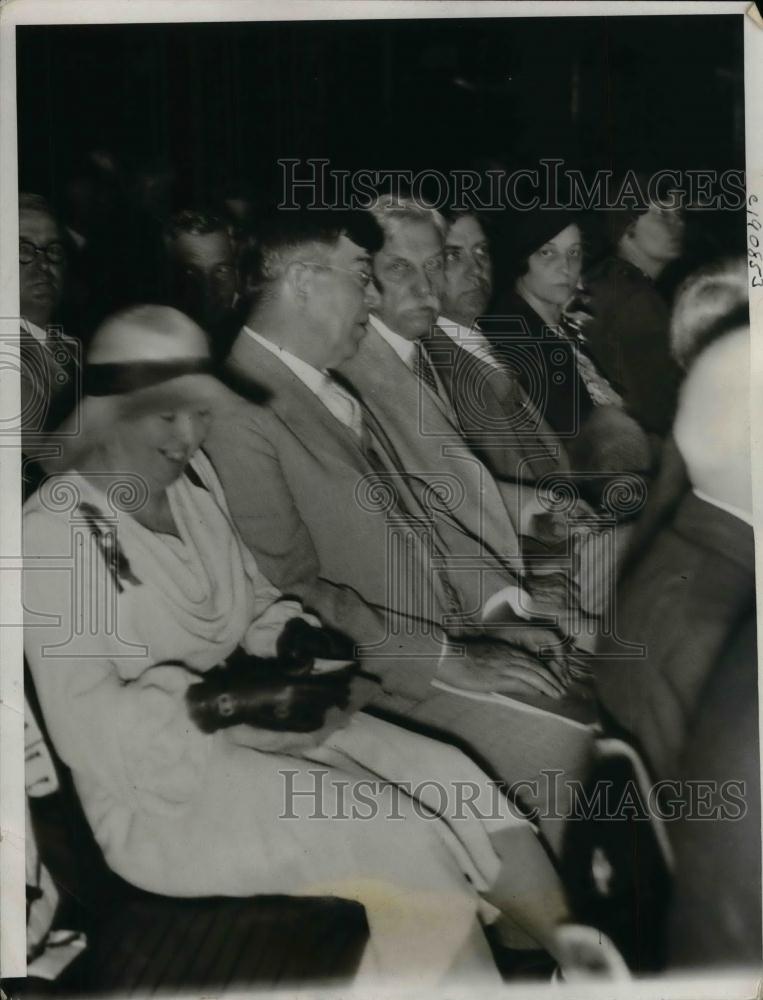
(334, 397)
(408, 352)
(34, 331)
(405, 349)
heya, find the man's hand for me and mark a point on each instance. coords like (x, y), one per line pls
(496, 666)
(549, 520)
(542, 642)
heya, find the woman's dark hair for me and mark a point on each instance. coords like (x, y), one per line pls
(525, 233)
(485, 219)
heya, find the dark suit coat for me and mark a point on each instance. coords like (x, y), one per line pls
(494, 414)
(545, 364)
(715, 918)
(684, 601)
(49, 377)
(50, 388)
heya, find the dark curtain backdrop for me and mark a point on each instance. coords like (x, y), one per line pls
(212, 99)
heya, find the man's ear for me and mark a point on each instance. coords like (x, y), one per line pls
(299, 280)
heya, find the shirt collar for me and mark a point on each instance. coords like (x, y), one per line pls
(34, 331)
(405, 349)
(743, 515)
(340, 403)
(312, 377)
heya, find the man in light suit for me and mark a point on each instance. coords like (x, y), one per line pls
(49, 373)
(419, 392)
(433, 395)
(369, 531)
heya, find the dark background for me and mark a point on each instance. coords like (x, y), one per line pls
(229, 99)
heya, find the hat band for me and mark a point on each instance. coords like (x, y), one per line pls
(119, 378)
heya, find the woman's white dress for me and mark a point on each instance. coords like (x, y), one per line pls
(120, 621)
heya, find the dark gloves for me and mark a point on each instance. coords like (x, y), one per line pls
(280, 694)
(264, 696)
(301, 643)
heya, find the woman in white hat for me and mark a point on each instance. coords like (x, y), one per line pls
(137, 587)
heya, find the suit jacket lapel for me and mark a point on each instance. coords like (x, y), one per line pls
(426, 441)
(469, 382)
(62, 374)
(257, 372)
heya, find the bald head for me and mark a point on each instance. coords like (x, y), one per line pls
(712, 426)
(147, 333)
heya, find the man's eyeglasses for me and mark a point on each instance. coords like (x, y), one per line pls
(364, 278)
(54, 252)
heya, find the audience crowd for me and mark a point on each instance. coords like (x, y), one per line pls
(413, 500)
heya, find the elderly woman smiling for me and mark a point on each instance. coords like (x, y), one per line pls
(135, 601)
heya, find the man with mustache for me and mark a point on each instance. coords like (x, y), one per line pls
(435, 280)
(418, 384)
(49, 372)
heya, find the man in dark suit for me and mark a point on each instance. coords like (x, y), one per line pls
(494, 413)
(49, 372)
(715, 918)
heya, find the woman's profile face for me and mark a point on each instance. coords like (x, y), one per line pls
(159, 445)
(554, 269)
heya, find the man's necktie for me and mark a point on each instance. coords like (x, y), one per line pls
(386, 463)
(422, 366)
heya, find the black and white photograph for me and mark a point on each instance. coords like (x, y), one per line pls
(380, 422)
